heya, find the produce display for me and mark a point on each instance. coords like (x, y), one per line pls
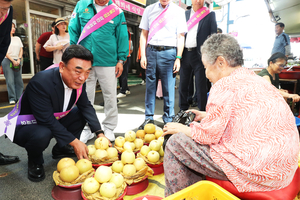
(154, 153)
(133, 170)
(69, 173)
(105, 185)
(129, 142)
(149, 133)
(101, 153)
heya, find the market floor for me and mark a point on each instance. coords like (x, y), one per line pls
(14, 184)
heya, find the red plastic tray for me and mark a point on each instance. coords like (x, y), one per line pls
(60, 193)
(95, 166)
(149, 197)
(120, 198)
(289, 74)
(158, 169)
(139, 187)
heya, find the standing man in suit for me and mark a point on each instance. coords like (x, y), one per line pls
(191, 58)
(162, 41)
(50, 97)
(6, 15)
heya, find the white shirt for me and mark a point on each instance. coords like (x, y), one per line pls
(99, 8)
(166, 36)
(15, 47)
(191, 37)
(67, 96)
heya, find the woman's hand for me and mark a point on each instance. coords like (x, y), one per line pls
(173, 127)
(59, 47)
(15, 63)
(199, 114)
(295, 97)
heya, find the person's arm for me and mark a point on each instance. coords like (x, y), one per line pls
(287, 50)
(37, 50)
(20, 55)
(74, 26)
(180, 46)
(6, 40)
(53, 48)
(14, 62)
(143, 42)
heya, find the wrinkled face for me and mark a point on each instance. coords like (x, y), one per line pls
(278, 30)
(164, 3)
(62, 26)
(13, 29)
(101, 2)
(75, 72)
(212, 71)
(278, 66)
(198, 3)
(4, 7)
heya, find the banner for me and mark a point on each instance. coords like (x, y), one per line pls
(130, 7)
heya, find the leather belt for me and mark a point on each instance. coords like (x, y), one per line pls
(191, 49)
(160, 48)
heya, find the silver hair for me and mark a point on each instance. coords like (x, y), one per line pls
(223, 45)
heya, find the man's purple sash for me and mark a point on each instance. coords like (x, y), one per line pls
(162, 19)
(13, 119)
(99, 20)
(197, 16)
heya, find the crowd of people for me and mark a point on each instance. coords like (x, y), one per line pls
(244, 132)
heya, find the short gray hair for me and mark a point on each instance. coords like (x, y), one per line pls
(223, 45)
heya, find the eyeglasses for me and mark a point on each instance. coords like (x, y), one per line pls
(282, 66)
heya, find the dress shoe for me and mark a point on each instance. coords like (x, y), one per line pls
(194, 104)
(66, 151)
(4, 160)
(36, 172)
(147, 121)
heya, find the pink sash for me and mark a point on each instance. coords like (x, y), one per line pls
(11, 120)
(162, 19)
(2, 19)
(99, 20)
(197, 16)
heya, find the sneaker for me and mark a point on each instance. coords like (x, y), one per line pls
(147, 121)
(121, 95)
(109, 134)
(12, 102)
(86, 135)
(127, 92)
(143, 82)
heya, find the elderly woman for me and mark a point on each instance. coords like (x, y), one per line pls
(276, 64)
(247, 135)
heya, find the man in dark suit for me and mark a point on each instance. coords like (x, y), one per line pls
(52, 91)
(191, 58)
(6, 15)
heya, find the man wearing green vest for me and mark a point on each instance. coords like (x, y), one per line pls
(109, 45)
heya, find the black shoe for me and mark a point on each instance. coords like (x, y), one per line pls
(66, 151)
(4, 160)
(147, 121)
(194, 104)
(36, 172)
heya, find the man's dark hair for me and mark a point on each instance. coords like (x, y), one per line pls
(77, 51)
(275, 57)
(219, 30)
(280, 24)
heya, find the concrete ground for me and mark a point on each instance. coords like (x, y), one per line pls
(14, 184)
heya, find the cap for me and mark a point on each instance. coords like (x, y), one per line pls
(59, 20)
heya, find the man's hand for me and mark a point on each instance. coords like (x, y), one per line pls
(119, 70)
(38, 58)
(102, 135)
(143, 62)
(176, 67)
(80, 149)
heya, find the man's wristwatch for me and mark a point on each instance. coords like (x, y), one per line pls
(121, 61)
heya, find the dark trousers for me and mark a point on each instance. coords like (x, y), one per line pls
(36, 138)
(191, 61)
(45, 62)
(123, 79)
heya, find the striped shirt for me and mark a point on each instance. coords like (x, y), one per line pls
(251, 132)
